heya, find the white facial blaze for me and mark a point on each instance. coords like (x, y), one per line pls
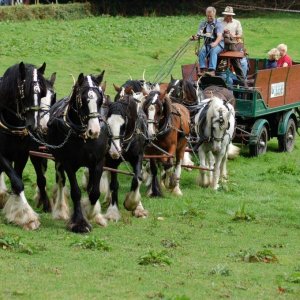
(115, 122)
(35, 95)
(151, 115)
(44, 111)
(93, 129)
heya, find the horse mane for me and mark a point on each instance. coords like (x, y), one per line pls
(11, 80)
(216, 106)
(189, 92)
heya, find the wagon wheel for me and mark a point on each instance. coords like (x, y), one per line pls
(261, 146)
(286, 142)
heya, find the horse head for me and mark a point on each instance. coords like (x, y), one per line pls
(121, 120)
(217, 122)
(174, 88)
(157, 108)
(46, 102)
(21, 90)
(85, 102)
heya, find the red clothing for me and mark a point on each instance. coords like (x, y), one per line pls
(284, 59)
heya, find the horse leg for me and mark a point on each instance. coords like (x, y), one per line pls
(17, 210)
(203, 178)
(223, 169)
(180, 152)
(133, 198)
(77, 223)
(60, 210)
(40, 166)
(155, 190)
(112, 212)
(187, 161)
(85, 178)
(3, 190)
(216, 172)
(92, 208)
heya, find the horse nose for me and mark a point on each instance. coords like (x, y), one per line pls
(114, 154)
(93, 134)
(216, 149)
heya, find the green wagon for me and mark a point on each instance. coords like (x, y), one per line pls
(268, 108)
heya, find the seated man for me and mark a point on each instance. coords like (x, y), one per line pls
(284, 59)
(232, 37)
(212, 32)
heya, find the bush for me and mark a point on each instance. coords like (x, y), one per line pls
(52, 11)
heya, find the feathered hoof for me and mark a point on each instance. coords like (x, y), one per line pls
(3, 199)
(100, 220)
(20, 213)
(113, 214)
(80, 227)
(140, 212)
(131, 201)
(215, 187)
(62, 213)
(32, 225)
(177, 191)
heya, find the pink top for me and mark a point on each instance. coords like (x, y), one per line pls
(284, 59)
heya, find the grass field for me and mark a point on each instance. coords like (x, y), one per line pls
(241, 242)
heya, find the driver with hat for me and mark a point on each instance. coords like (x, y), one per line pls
(232, 38)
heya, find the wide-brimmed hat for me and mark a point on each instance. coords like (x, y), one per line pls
(228, 11)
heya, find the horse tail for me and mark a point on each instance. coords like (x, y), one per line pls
(233, 151)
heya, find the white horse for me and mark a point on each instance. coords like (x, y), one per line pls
(215, 124)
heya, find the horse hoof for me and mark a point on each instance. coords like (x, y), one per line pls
(32, 225)
(100, 220)
(177, 192)
(80, 227)
(140, 213)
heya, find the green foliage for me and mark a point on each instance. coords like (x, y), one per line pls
(242, 215)
(14, 243)
(251, 256)
(220, 270)
(91, 243)
(294, 277)
(169, 243)
(155, 258)
(289, 168)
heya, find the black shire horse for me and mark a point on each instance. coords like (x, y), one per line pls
(127, 126)
(21, 89)
(81, 141)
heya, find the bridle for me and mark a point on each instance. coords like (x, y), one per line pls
(77, 93)
(21, 109)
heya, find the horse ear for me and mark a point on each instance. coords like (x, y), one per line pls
(156, 87)
(42, 68)
(80, 79)
(117, 88)
(22, 70)
(172, 78)
(52, 79)
(99, 78)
